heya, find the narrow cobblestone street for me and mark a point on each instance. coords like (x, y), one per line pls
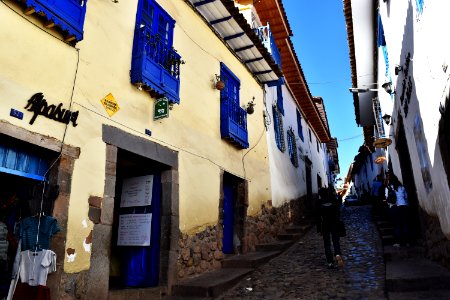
(301, 273)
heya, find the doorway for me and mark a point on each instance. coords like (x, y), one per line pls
(408, 181)
(234, 211)
(135, 247)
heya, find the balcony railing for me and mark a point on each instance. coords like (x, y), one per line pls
(265, 34)
(233, 123)
(67, 14)
(156, 65)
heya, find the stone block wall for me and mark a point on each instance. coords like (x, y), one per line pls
(202, 251)
(437, 245)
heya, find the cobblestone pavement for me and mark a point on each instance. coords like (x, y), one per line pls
(301, 273)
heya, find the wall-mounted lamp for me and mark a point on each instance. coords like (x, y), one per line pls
(387, 119)
(250, 106)
(387, 86)
(218, 83)
(398, 69)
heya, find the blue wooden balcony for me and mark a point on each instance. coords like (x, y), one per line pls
(233, 123)
(155, 65)
(67, 14)
(265, 34)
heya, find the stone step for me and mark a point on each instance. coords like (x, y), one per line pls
(387, 239)
(392, 253)
(417, 274)
(209, 284)
(420, 295)
(289, 236)
(297, 229)
(275, 246)
(386, 230)
(249, 260)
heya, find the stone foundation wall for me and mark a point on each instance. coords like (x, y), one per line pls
(438, 246)
(203, 251)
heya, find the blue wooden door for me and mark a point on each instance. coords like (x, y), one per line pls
(228, 218)
(141, 263)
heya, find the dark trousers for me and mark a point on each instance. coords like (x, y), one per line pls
(326, 234)
(401, 228)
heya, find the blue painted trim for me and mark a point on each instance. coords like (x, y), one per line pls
(224, 67)
(214, 22)
(22, 174)
(234, 36)
(203, 2)
(67, 14)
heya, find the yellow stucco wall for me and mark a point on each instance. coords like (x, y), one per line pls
(33, 61)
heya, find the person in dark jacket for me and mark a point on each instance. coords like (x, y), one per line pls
(328, 216)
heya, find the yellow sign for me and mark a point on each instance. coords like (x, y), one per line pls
(110, 104)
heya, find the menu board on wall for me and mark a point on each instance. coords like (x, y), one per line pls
(137, 191)
(134, 230)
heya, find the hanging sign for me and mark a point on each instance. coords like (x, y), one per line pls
(134, 230)
(110, 104)
(161, 108)
(137, 191)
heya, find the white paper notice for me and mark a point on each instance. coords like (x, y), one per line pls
(134, 230)
(137, 191)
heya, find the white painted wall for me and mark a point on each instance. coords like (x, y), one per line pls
(423, 36)
(288, 182)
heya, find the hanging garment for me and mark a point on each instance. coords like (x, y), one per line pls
(3, 243)
(36, 265)
(27, 231)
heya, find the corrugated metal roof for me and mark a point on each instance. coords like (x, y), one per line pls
(232, 26)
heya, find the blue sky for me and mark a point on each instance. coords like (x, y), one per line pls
(320, 41)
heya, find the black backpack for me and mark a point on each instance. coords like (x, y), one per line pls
(391, 197)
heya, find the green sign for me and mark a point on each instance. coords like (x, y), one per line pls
(161, 108)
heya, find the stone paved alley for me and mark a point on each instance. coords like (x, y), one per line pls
(300, 272)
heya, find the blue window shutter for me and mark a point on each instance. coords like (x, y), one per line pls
(278, 128)
(280, 99)
(155, 63)
(299, 126)
(233, 118)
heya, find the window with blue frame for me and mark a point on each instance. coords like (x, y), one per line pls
(68, 15)
(299, 126)
(233, 118)
(155, 63)
(292, 147)
(280, 98)
(278, 126)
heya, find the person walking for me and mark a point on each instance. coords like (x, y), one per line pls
(328, 218)
(396, 194)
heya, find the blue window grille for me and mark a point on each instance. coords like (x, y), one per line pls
(292, 147)
(280, 105)
(299, 126)
(155, 64)
(66, 14)
(233, 118)
(419, 6)
(278, 126)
